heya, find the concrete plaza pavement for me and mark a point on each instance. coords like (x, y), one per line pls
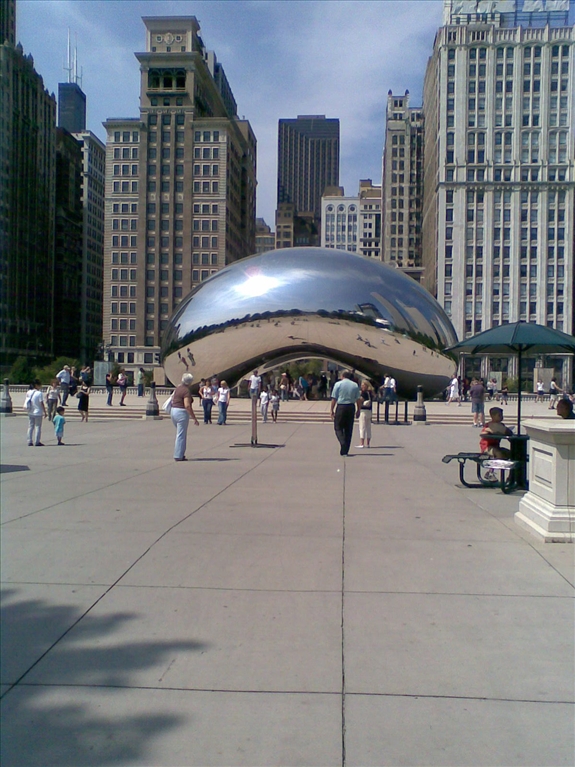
(274, 606)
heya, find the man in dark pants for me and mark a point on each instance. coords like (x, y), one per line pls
(345, 403)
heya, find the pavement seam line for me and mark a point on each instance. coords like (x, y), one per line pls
(343, 744)
(227, 690)
(134, 563)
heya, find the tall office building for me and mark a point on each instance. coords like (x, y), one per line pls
(352, 223)
(8, 22)
(308, 162)
(402, 186)
(27, 193)
(499, 176)
(180, 189)
(71, 107)
(91, 283)
(67, 245)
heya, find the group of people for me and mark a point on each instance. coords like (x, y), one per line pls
(122, 382)
(52, 408)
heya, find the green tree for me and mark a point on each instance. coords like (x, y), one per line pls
(21, 371)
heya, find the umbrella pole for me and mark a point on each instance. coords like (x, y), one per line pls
(519, 394)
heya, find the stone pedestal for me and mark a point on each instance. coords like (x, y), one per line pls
(548, 509)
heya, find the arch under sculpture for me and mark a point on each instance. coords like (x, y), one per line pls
(299, 303)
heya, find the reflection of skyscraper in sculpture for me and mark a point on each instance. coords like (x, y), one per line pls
(499, 184)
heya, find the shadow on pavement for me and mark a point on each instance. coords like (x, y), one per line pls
(6, 468)
(44, 723)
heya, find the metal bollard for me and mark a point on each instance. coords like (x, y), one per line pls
(419, 412)
(5, 399)
(152, 407)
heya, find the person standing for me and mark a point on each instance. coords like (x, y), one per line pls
(477, 396)
(59, 422)
(140, 381)
(345, 401)
(181, 413)
(264, 403)
(255, 385)
(123, 384)
(207, 396)
(109, 387)
(223, 402)
(34, 406)
(64, 376)
(52, 398)
(366, 405)
(540, 391)
(84, 401)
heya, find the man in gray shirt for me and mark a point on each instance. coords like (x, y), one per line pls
(345, 403)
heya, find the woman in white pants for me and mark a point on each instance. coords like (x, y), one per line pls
(181, 413)
(367, 396)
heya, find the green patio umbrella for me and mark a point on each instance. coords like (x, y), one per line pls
(521, 338)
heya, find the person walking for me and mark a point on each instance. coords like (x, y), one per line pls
(366, 405)
(454, 391)
(109, 388)
(34, 406)
(540, 391)
(345, 401)
(223, 402)
(275, 403)
(123, 385)
(477, 396)
(52, 398)
(64, 376)
(140, 381)
(180, 413)
(554, 392)
(84, 401)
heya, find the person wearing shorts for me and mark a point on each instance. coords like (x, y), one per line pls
(477, 396)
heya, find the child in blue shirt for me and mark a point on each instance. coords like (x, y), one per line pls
(59, 422)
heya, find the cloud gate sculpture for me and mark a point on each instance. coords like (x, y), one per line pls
(297, 303)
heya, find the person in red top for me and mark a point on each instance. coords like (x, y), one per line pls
(495, 427)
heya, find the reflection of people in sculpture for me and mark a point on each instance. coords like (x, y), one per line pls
(183, 361)
(190, 356)
(345, 401)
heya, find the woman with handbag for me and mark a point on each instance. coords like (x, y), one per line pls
(181, 411)
(366, 394)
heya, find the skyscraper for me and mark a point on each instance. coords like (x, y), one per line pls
(71, 107)
(499, 183)
(308, 162)
(402, 186)
(27, 189)
(180, 188)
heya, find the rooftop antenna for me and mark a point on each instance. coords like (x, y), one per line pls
(68, 65)
(71, 65)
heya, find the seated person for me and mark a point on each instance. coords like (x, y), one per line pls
(565, 409)
(495, 427)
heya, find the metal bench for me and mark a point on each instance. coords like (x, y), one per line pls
(484, 462)
(477, 458)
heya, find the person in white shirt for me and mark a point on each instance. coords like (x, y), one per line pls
(275, 403)
(255, 384)
(223, 402)
(34, 405)
(454, 391)
(264, 404)
(65, 378)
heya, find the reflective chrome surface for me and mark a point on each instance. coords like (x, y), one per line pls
(311, 302)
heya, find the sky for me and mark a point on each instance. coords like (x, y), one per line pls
(282, 58)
